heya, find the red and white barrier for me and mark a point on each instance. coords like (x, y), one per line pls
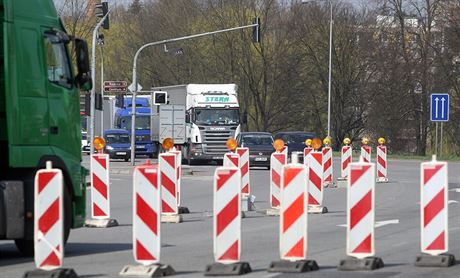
(178, 174)
(100, 186)
(48, 220)
(227, 211)
(306, 154)
(277, 161)
(232, 160)
(382, 174)
(315, 179)
(244, 168)
(366, 153)
(346, 159)
(360, 210)
(434, 208)
(168, 182)
(285, 150)
(293, 213)
(146, 214)
(327, 166)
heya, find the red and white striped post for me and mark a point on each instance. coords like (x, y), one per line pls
(315, 183)
(327, 166)
(285, 150)
(49, 218)
(146, 223)
(382, 166)
(227, 222)
(277, 161)
(231, 159)
(178, 154)
(293, 222)
(346, 159)
(168, 183)
(434, 215)
(360, 218)
(366, 150)
(100, 192)
(244, 168)
(306, 154)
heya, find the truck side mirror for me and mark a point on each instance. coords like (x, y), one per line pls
(187, 118)
(83, 78)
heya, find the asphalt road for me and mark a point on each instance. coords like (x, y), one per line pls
(187, 246)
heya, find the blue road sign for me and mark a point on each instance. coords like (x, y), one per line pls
(439, 107)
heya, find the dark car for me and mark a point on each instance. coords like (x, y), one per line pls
(260, 146)
(295, 141)
(117, 144)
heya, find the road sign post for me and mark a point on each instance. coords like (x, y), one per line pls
(439, 108)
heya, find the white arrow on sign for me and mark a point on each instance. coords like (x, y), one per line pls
(378, 223)
(442, 107)
(436, 106)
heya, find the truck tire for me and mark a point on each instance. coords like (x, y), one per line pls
(26, 246)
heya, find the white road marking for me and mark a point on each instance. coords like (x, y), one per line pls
(378, 223)
(455, 190)
(452, 202)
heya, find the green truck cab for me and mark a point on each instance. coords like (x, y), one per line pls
(39, 114)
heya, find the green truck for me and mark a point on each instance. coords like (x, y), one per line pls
(39, 114)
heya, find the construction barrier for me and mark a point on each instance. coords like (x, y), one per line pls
(327, 166)
(366, 153)
(434, 215)
(285, 150)
(178, 173)
(346, 159)
(382, 174)
(48, 220)
(231, 160)
(100, 186)
(227, 223)
(146, 224)
(360, 219)
(315, 183)
(244, 168)
(168, 182)
(146, 214)
(306, 154)
(277, 161)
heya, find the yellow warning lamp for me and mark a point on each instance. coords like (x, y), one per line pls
(98, 143)
(308, 142)
(347, 141)
(327, 141)
(231, 144)
(278, 145)
(168, 143)
(316, 143)
(381, 141)
(365, 141)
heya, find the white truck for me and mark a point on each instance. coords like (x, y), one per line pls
(211, 117)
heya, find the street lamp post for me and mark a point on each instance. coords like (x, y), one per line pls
(101, 42)
(331, 22)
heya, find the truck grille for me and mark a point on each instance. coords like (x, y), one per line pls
(215, 141)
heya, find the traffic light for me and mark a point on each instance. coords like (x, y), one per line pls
(160, 97)
(256, 30)
(101, 10)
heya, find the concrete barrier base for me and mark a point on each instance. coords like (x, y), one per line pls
(441, 260)
(293, 266)
(55, 273)
(355, 264)
(171, 218)
(273, 212)
(317, 209)
(155, 270)
(218, 269)
(101, 223)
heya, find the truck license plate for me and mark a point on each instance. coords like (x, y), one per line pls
(121, 153)
(260, 159)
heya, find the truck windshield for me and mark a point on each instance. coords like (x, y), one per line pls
(117, 138)
(142, 122)
(217, 116)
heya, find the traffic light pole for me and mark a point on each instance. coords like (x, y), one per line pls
(93, 78)
(133, 111)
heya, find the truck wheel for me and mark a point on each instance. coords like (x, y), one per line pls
(26, 246)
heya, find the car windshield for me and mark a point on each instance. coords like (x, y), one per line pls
(217, 116)
(256, 140)
(142, 122)
(295, 138)
(117, 138)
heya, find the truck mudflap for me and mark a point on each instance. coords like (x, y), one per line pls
(12, 209)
